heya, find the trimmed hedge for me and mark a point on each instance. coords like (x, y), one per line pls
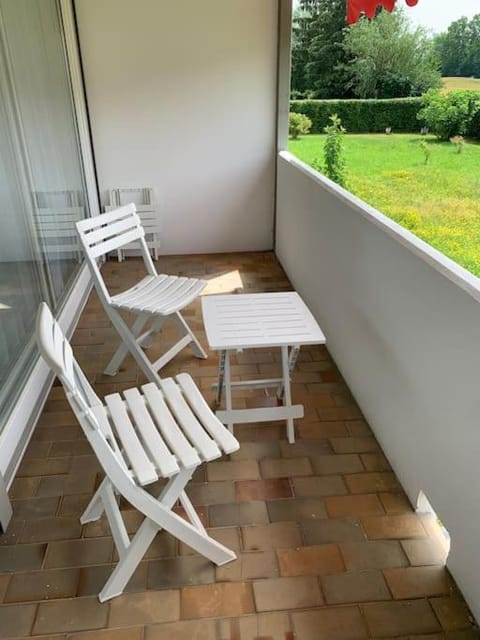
(363, 116)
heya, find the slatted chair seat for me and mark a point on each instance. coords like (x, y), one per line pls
(139, 437)
(164, 430)
(153, 300)
(159, 294)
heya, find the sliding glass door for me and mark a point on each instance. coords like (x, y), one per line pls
(42, 189)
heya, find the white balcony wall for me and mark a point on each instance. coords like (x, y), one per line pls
(403, 324)
(182, 97)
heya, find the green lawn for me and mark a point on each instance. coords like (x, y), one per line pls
(439, 202)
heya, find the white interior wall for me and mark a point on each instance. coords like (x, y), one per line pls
(181, 97)
(403, 324)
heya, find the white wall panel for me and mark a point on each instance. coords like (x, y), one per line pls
(182, 97)
(403, 324)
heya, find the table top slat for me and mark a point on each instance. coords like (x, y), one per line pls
(242, 321)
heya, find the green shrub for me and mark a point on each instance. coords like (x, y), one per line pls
(473, 129)
(334, 167)
(425, 147)
(298, 124)
(449, 114)
(458, 142)
(363, 116)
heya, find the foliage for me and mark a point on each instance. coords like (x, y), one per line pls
(459, 48)
(362, 116)
(327, 65)
(319, 60)
(473, 130)
(390, 59)
(450, 114)
(301, 37)
(439, 202)
(298, 124)
(333, 154)
(425, 147)
(458, 142)
(380, 58)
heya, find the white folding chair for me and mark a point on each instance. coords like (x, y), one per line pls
(55, 214)
(152, 433)
(146, 208)
(154, 299)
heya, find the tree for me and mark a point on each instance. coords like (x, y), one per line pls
(301, 38)
(389, 58)
(449, 114)
(459, 48)
(474, 50)
(319, 59)
(327, 67)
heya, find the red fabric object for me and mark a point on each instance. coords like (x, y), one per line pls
(356, 7)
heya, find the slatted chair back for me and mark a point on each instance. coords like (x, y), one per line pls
(146, 208)
(149, 454)
(56, 213)
(108, 232)
(87, 406)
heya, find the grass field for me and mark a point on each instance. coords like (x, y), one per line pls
(439, 202)
(459, 84)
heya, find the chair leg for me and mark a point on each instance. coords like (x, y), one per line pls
(191, 513)
(185, 329)
(130, 561)
(120, 354)
(146, 340)
(95, 507)
(177, 526)
(142, 539)
(161, 516)
(129, 343)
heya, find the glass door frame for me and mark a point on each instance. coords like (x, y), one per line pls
(19, 425)
(72, 50)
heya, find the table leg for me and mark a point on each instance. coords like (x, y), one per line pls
(228, 391)
(292, 360)
(287, 396)
(221, 376)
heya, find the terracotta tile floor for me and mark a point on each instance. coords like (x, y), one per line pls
(328, 546)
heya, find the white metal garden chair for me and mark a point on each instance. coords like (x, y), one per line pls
(154, 299)
(157, 432)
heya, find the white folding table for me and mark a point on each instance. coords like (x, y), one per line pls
(249, 321)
